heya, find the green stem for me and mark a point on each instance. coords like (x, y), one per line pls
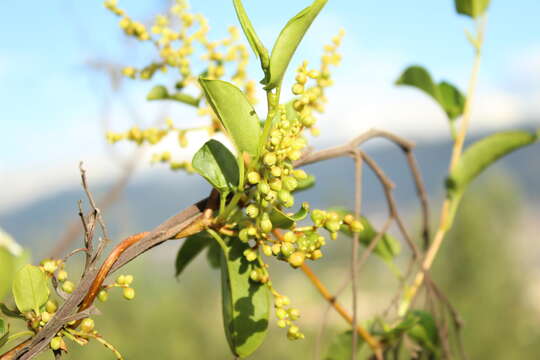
(219, 239)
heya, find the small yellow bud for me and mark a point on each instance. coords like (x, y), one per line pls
(62, 275)
(297, 259)
(87, 325)
(129, 293)
(56, 343)
(51, 306)
(103, 295)
(298, 89)
(356, 226)
(68, 287)
(270, 159)
(253, 177)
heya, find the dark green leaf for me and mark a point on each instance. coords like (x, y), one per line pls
(251, 35)
(483, 153)
(10, 313)
(341, 348)
(217, 165)
(472, 8)
(7, 269)
(4, 332)
(425, 331)
(246, 304)
(302, 213)
(306, 183)
(281, 220)
(191, 247)
(287, 42)
(445, 94)
(235, 113)
(30, 289)
(213, 255)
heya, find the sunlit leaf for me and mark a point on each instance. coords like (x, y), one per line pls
(217, 165)
(246, 304)
(287, 42)
(7, 269)
(281, 220)
(235, 113)
(445, 94)
(160, 92)
(341, 348)
(472, 8)
(306, 183)
(30, 289)
(191, 247)
(483, 153)
(260, 51)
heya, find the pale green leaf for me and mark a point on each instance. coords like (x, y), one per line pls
(246, 304)
(189, 250)
(341, 346)
(217, 165)
(235, 113)
(472, 8)
(30, 289)
(483, 153)
(7, 269)
(4, 332)
(306, 183)
(260, 51)
(287, 42)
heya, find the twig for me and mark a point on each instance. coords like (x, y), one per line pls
(354, 248)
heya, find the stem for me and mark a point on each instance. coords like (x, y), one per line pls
(449, 205)
(373, 343)
(219, 239)
(20, 334)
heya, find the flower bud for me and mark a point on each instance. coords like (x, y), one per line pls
(121, 280)
(294, 314)
(253, 177)
(348, 219)
(270, 159)
(128, 279)
(284, 196)
(297, 259)
(356, 226)
(290, 183)
(301, 78)
(300, 174)
(51, 306)
(68, 287)
(49, 266)
(276, 249)
(254, 275)
(46, 317)
(332, 225)
(289, 237)
(250, 254)
(287, 249)
(318, 217)
(281, 313)
(252, 211)
(56, 343)
(62, 275)
(316, 254)
(266, 225)
(275, 184)
(263, 188)
(281, 323)
(129, 293)
(298, 89)
(103, 296)
(276, 171)
(267, 250)
(87, 325)
(243, 235)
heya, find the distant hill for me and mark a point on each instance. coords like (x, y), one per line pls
(153, 197)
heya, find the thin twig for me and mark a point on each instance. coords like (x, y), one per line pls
(354, 249)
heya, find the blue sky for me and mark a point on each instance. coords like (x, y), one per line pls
(51, 103)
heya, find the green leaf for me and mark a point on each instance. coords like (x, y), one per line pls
(445, 94)
(251, 35)
(7, 269)
(306, 183)
(425, 331)
(341, 348)
(30, 289)
(302, 213)
(191, 247)
(213, 255)
(287, 42)
(246, 304)
(281, 220)
(160, 92)
(10, 313)
(472, 8)
(483, 153)
(4, 332)
(217, 165)
(235, 113)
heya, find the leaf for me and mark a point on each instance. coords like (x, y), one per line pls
(10, 313)
(281, 220)
(302, 213)
(472, 8)
(260, 51)
(306, 183)
(160, 92)
(425, 331)
(235, 113)
(191, 247)
(287, 42)
(7, 268)
(217, 165)
(213, 255)
(483, 153)
(341, 348)
(246, 304)
(387, 247)
(30, 289)
(445, 94)
(4, 332)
